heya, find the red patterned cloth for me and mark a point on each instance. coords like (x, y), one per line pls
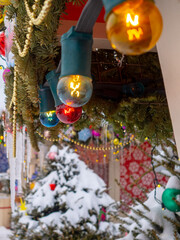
(135, 162)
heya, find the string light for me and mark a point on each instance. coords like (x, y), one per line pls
(63, 136)
(156, 182)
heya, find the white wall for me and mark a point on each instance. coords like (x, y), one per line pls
(169, 54)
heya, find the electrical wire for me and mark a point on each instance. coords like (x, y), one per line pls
(156, 182)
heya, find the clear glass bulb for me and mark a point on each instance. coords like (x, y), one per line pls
(134, 26)
(48, 119)
(74, 90)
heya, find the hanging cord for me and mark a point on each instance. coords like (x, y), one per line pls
(87, 20)
(156, 182)
(120, 61)
(89, 16)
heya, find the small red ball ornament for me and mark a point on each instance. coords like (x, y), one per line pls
(67, 114)
(52, 186)
(52, 155)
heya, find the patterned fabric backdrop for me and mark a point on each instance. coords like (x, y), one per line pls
(3, 160)
(134, 163)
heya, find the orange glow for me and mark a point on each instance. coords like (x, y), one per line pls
(134, 34)
(75, 87)
(68, 110)
(134, 26)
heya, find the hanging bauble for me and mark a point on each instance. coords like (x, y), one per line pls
(84, 134)
(52, 186)
(67, 114)
(133, 27)
(49, 119)
(169, 199)
(5, 2)
(5, 72)
(32, 185)
(95, 133)
(73, 133)
(52, 155)
(116, 141)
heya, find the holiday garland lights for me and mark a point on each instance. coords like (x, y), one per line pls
(40, 59)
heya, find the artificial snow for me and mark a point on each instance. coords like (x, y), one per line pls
(5, 233)
(79, 193)
(155, 214)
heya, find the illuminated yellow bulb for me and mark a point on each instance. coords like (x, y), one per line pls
(159, 185)
(97, 160)
(134, 27)
(74, 90)
(104, 155)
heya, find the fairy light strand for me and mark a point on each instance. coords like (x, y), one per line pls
(63, 136)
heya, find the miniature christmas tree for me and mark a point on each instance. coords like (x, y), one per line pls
(67, 203)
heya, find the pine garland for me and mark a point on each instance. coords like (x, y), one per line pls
(145, 117)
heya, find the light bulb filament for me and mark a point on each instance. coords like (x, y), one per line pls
(75, 87)
(69, 110)
(134, 34)
(130, 22)
(49, 114)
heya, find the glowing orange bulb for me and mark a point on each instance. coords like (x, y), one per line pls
(134, 26)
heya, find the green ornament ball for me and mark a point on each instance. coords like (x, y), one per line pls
(168, 198)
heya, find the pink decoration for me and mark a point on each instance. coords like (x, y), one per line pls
(6, 70)
(95, 133)
(52, 155)
(47, 133)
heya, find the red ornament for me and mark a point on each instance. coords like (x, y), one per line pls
(52, 186)
(67, 114)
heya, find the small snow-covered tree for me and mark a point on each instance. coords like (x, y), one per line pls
(70, 208)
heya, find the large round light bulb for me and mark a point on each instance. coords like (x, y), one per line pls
(74, 90)
(134, 26)
(48, 119)
(67, 114)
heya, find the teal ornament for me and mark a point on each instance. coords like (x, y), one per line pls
(168, 197)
